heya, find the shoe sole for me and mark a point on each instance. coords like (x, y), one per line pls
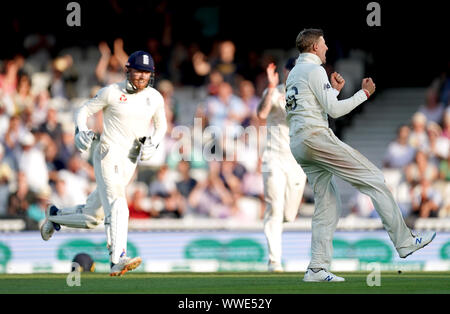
(323, 280)
(432, 238)
(47, 213)
(130, 266)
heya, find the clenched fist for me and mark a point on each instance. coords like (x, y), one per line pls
(337, 81)
(369, 85)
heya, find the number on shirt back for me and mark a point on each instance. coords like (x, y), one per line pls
(291, 103)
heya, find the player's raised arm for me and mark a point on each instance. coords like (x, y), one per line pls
(265, 105)
(326, 94)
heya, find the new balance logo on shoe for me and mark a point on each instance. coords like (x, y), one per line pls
(328, 278)
(418, 240)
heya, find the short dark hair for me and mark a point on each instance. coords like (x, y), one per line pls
(306, 38)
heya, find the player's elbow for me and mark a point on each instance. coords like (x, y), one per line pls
(334, 114)
(335, 111)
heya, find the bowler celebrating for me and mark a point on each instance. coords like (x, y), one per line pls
(309, 99)
(284, 179)
(128, 109)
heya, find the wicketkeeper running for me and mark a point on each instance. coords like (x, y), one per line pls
(128, 109)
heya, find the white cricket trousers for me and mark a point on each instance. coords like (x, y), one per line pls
(284, 182)
(321, 155)
(113, 171)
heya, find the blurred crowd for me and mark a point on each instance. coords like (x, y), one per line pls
(40, 165)
(416, 163)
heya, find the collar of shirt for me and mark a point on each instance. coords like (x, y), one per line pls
(308, 57)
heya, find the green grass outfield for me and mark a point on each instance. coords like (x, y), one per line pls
(226, 283)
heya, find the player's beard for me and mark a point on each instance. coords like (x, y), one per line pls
(134, 86)
(140, 84)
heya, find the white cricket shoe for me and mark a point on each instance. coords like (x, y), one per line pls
(418, 241)
(321, 276)
(48, 227)
(125, 264)
(275, 267)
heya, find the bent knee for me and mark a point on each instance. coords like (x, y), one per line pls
(93, 222)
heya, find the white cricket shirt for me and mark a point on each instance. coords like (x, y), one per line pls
(277, 140)
(126, 117)
(310, 97)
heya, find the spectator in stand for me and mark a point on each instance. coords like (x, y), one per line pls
(444, 169)
(36, 210)
(166, 88)
(182, 65)
(31, 162)
(225, 63)
(67, 147)
(39, 112)
(13, 133)
(52, 126)
(442, 84)
(399, 153)
(186, 183)
(50, 153)
(174, 207)
(210, 198)
(110, 67)
(61, 195)
(20, 199)
(225, 111)
(163, 189)
(9, 78)
(215, 78)
(139, 204)
(446, 124)
(64, 78)
(425, 200)
(249, 98)
(4, 121)
(444, 177)
(77, 176)
(23, 98)
(438, 146)
(418, 137)
(7, 176)
(232, 173)
(433, 109)
(421, 169)
(162, 185)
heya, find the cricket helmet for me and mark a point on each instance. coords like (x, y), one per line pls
(143, 61)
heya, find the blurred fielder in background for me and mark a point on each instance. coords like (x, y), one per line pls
(128, 109)
(309, 98)
(284, 179)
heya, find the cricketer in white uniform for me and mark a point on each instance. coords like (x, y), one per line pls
(128, 108)
(309, 99)
(284, 179)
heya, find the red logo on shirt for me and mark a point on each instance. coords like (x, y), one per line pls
(123, 98)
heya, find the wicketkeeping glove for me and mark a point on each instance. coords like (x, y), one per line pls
(148, 149)
(135, 150)
(83, 139)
